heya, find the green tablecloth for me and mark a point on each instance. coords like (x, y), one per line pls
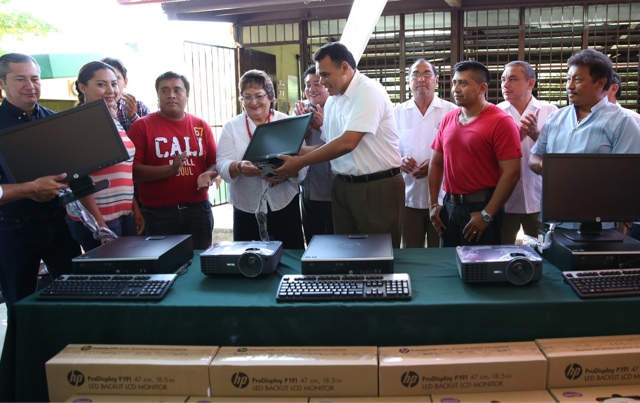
(212, 310)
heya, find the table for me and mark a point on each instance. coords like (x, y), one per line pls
(212, 310)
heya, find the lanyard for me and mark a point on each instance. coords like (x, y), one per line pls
(246, 120)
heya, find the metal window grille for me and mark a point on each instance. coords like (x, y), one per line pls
(211, 70)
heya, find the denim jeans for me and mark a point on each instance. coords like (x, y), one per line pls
(456, 216)
(195, 219)
(23, 244)
(122, 226)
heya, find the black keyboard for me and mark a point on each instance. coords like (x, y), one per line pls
(108, 287)
(367, 287)
(604, 283)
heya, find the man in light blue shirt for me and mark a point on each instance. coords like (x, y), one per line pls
(590, 124)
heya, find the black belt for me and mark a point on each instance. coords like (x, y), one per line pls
(475, 197)
(370, 177)
(35, 216)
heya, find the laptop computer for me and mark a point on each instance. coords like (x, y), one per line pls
(283, 137)
(161, 254)
(348, 254)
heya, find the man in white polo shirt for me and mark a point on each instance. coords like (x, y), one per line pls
(361, 141)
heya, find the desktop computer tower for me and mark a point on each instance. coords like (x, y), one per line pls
(568, 255)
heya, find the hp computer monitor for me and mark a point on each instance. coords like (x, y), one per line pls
(77, 142)
(591, 189)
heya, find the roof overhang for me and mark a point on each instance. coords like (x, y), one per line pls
(253, 12)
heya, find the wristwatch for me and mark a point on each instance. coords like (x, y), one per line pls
(486, 216)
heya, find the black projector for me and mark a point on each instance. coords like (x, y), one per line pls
(161, 254)
(249, 258)
(513, 264)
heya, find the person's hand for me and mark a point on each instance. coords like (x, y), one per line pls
(318, 117)
(47, 187)
(178, 162)
(408, 164)
(248, 169)
(290, 168)
(422, 171)
(529, 126)
(300, 109)
(434, 215)
(206, 179)
(475, 227)
(139, 220)
(129, 103)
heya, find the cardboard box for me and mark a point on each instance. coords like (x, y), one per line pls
(129, 370)
(529, 396)
(592, 361)
(125, 399)
(295, 371)
(196, 399)
(394, 399)
(614, 394)
(461, 368)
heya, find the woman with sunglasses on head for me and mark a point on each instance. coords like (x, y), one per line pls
(263, 208)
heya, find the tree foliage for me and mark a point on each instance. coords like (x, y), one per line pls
(19, 23)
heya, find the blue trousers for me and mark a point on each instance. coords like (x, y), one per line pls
(23, 244)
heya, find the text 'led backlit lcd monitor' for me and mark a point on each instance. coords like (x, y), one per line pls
(591, 189)
(77, 142)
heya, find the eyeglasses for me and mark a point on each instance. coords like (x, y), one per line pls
(425, 74)
(249, 98)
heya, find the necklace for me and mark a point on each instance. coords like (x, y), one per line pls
(465, 120)
(246, 117)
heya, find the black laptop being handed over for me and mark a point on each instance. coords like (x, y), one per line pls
(282, 137)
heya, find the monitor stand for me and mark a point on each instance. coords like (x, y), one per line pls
(82, 187)
(593, 232)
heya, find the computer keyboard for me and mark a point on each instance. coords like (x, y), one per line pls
(604, 283)
(366, 287)
(109, 287)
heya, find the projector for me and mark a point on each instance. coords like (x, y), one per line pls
(515, 264)
(249, 258)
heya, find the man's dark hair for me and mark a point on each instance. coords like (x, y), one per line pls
(615, 79)
(117, 64)
(337, 52)
(14, 58)
(170, 75)
(480, 71)
(600, 66)
(310, 70)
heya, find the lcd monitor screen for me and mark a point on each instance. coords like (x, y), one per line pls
(78, 142)
(280, 137)
(590, 188)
